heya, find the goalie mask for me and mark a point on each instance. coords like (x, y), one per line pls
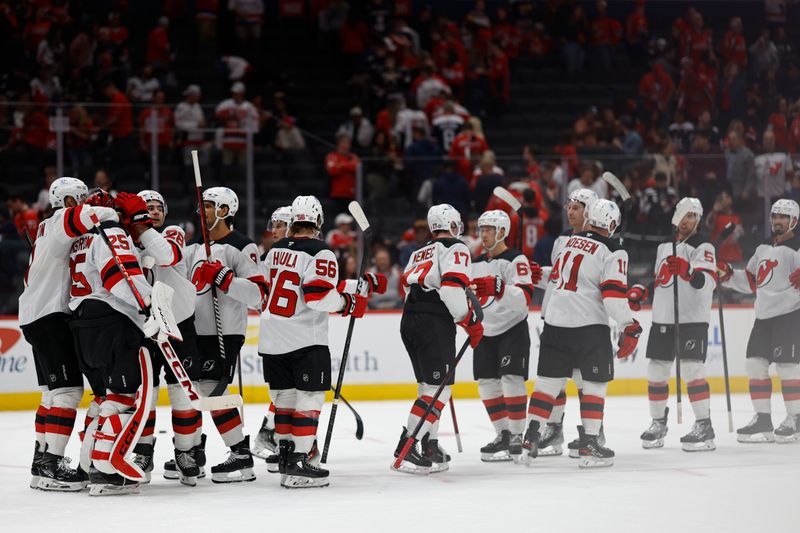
(307, 209)
(62, 188)
(284, 215)
(153, 196)
(499, 221)
(604, 214)
(221, 197)
(790, 208)
(445, 217)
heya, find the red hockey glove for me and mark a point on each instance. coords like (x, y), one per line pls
(678, 266)
(628, 339)
(377, 282)
(489, 286)
(536, 272)
(794, 279)
(473, 328)
(133, 208)
(100, 198)
(636, 295)
(212, 272)
(724, 271)
(354, 305)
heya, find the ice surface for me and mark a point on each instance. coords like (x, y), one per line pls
(736, 488)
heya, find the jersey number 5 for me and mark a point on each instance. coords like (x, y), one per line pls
(80, 285)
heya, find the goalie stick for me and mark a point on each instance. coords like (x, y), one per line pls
(363, 224)
(726, 232)
(199, 403)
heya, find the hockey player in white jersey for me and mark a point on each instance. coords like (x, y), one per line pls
(553, 432)
(693, 269)
(591, 285)
(773, 274)
(502, 282)
(44, 319)
(293, 339)
(233, 269)
(265, 442)
(434, 281)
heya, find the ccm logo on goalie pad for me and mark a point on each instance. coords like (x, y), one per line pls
(175, 363)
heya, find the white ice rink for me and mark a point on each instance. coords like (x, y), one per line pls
(747, 488)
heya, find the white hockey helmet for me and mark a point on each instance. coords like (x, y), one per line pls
(445, 217)
(282, 214)
(148, 196)
(496, 219)
(583, 196)
(786, 207)
(220, 196)
(307, 209)
(61, 188)
(685, 206)
(602, 213)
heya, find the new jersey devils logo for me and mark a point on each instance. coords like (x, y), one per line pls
(765, 268)
(663, 278)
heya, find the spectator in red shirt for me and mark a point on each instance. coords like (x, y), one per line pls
(158, 47)
(499, 75)
(26, 219)
(35, 134)
(341, 166)
(683, 24)
(165, 123)
(342, 237)
(793, 135)
(697, 41)
(636, 33)
(467, 149)
(733, 48)
(115, 32)
(695, 90)
(606, 34)
(779, 121)
(721, 215)
(118, 124)
(656, 89)
(353, 38)
(506, 34)
(36, 30)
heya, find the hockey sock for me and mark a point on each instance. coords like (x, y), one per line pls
(148, 433)
(91, 413)
(760, 384)
(306, 419)
(187, 424)
(271, 416)
(284, 402)
(491, 392)
(543, 398)
(229, 425)
(558, 407)
(516, 397)
(421, 404)
(592, 406)
(577, 378)
(790, 386)
(694, 373)
(41, 417)
(658, 386)
(61, 418)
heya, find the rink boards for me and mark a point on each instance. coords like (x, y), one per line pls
(378, 367)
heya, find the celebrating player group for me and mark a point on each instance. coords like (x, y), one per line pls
(113, 295)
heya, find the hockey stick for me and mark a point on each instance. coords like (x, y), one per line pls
(199, 403)
(359, 421)
(223, 383)
(455, 425)
(478, 315)
(363, 223)
(627, 202)
(513, 203)
(677, 341)
(726, 232)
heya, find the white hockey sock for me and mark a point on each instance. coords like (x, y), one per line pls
(491, 392)
(694, 373)
(228, 421)
(557, 414)
(420, 405)
(516, 396)
(543, 398)
(187, 424)
(790, 386)
(284, 402)
(41, 417)
(593, 402)
(271, 416)
(61, 418)
(658, 386)
(306, 419)
(760, 384)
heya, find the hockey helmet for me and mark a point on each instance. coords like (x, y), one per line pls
(583, 196)
(789, 208)
(222, 196)
(498, 220)
(602, 213)
(150, 196)
(282, 214)
(61, 188)
(685, 206)
(307, 209)
(445, 217)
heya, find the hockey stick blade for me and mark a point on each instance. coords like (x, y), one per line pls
(507, 197)
(358, 214)
(196, 164)
(617, 185)
(726, 232)
(359, 421)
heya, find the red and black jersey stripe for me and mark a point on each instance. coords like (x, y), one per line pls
(751, 279)
(111, 274)
(177, 254)
(613, 289)
(316, 290)
(527, 290)
(73, 226)
(455, 279)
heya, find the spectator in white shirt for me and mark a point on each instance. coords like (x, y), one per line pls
(358, 128)
(189, 120)
(142, 88)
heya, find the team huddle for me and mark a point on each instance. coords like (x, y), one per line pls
(114, 295)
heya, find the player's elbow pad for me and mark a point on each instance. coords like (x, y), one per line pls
(619, 310)
(456, 302)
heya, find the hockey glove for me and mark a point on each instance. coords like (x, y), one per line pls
(99, 198)
(678, 266)
(150, 327)
(489, 286)
(133, 208)
(212, 272)
(473, 328)
(628, 339)
(354, 305)
(636, 295)
(536, 272)
(794, 279)
(724, 271)
(377, 282)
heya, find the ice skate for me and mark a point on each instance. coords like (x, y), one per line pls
(413, 462)
(440, 460)
(301, 474)
(187, 468)
(654, 436)
(530, 443)
(789, 430)
(575, 445)
(37, 456)
(552, 440)
(56, 475)
(759, 430)
(700, 438)
(497, 450)
(515, 448)
(101, 484)
(265, 443)
(198, 453)
(144, 458)
(237, 467)
(593, 454)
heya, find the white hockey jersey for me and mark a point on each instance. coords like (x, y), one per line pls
(248, 288)
(695, 304)
(303, 274)
(590, 278)
(501, 314)
(96, 276)
(767, 275)
(170, 268)
(436, 276)
(47, 279)
(544, 283)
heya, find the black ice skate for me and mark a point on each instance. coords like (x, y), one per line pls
(102, 484)
(575, 446)
(237, 467)
(530, 443)
(301, 474)
(515, 448)
(654, 436)
(187, 468)
(592, 454)
(552, 440)
(265, 443)
(413, 462)
(56, 475)
(497, 450)
(144, 458)
(789, 430)
(199, 455)
(758, 430)
(37, 457)
(700, 438)
(440, 460)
